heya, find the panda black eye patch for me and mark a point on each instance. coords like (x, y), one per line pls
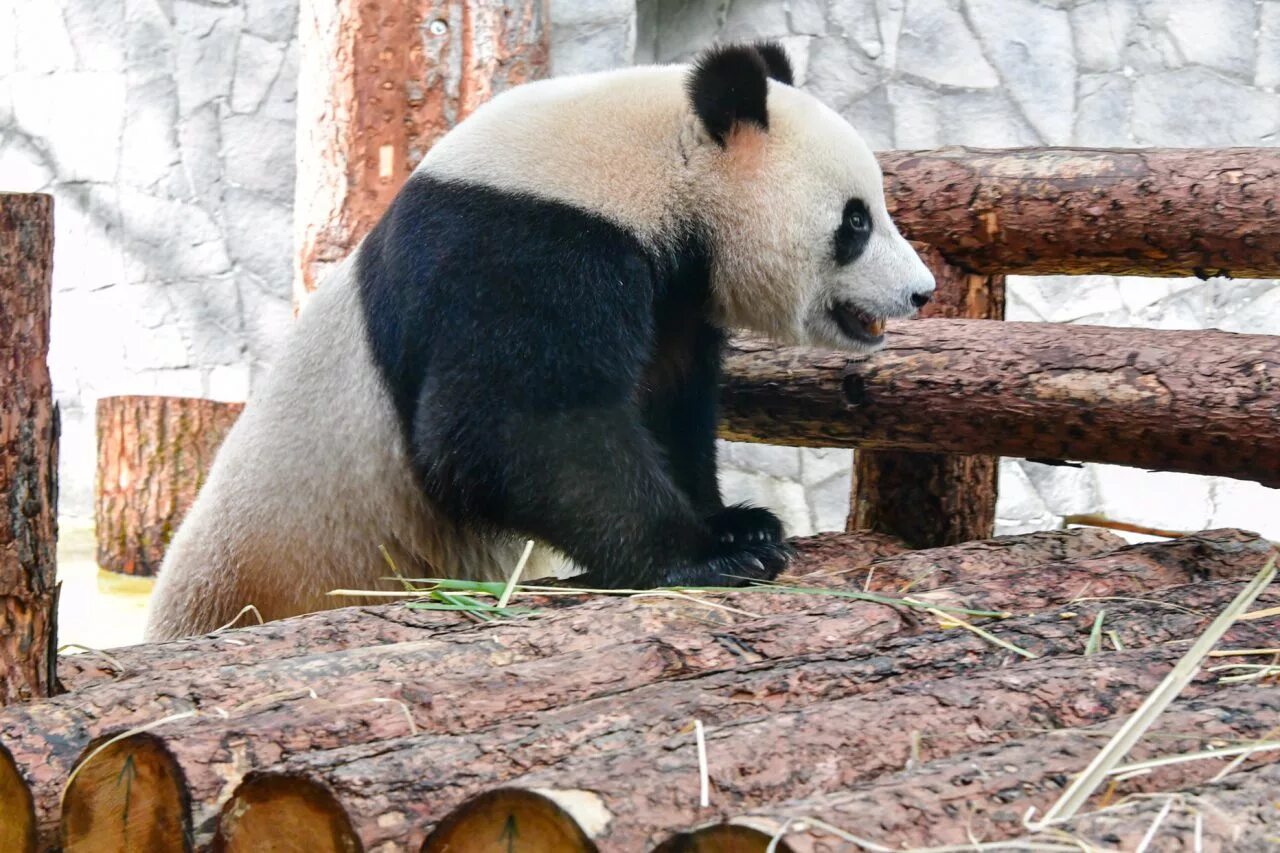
(854, 231)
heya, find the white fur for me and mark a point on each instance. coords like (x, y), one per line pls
(315, 477)
(626, 144)
(310, 481)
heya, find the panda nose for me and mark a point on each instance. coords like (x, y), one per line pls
(920, 299)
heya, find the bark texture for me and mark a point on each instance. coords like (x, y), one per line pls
(648, 788)
(1046, 211)
(826, 559)
(296, 725)
(28, 452)
(994, 787)
(153, 456)
(1198, 402)
(552, 684)
(932, 499)
(380, 81)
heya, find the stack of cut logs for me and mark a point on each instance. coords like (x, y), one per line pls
(827, 717)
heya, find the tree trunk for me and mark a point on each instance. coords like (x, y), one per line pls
(153, 456)
(1077, 211)
(994, 788)
(28, 452)
(464, 679)
(1198, 402)
(379, 83)
(932, 499)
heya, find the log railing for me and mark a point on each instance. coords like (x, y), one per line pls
(1079, 211)
(1198, 402)
(1178, 401)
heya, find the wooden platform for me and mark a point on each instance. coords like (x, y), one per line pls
(854, 704)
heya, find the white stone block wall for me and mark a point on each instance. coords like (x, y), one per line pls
(165, 129)
(999, 73)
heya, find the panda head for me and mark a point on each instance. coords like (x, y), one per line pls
(791, 201)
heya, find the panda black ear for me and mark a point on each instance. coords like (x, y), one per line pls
(729, 85)
(776, 60)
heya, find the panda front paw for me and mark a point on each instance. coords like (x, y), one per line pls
(742, 525)
(736, 566)
(749, 545)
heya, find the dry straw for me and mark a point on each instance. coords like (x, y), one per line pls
(1102, 766)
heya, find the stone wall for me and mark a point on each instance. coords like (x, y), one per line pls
(998, 73)
(165, 128)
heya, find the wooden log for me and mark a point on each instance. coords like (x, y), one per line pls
(1197, 402)
(723, 838)
(18, 829)
(283, 810)
(827, 558)
(131, 799)
(1237, 814)
(932, 499)
(379, 82)
(461, 680)
(1075, 211)
(643, 789)
(153, 456)
(28, 452)
(298, 724)
(1208, 554)
(986, 793)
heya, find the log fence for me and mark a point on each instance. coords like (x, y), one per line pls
(1050, 211)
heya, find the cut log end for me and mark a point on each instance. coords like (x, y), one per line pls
(722, 838)
(18, 828)
(267, 807)
(509, 819)
(126, 796)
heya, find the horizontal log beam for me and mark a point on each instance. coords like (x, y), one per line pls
(1166, 212)
(994, 787)
(1197, 402)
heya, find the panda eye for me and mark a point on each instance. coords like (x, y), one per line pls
(854, 232)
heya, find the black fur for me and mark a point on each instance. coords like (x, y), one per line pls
(729, 85)
(775, 59)
(556, 379)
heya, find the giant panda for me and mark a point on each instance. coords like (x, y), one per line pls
(528, 343)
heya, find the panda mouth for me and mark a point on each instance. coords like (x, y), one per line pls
(858, 324)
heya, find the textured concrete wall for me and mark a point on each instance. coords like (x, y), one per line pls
(166, 130)
(996, 73)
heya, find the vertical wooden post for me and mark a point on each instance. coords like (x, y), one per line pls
(28, 452)
(933, 499)
(154, 454)
(380, 81)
